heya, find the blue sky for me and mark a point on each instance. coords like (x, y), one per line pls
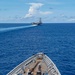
(26, 11)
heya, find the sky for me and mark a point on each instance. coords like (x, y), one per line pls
(27, 11)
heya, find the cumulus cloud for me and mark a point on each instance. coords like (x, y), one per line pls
(34, 10)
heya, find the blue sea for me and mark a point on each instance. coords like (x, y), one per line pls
(20, 41)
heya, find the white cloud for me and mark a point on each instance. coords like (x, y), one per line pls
(34, 10)
(72, 19)
(62, 15)
(46, 12)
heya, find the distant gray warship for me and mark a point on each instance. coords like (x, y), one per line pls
(37, 23)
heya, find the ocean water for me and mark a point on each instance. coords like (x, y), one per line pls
(20, 41)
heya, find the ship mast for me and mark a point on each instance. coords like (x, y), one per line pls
(40, 20)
